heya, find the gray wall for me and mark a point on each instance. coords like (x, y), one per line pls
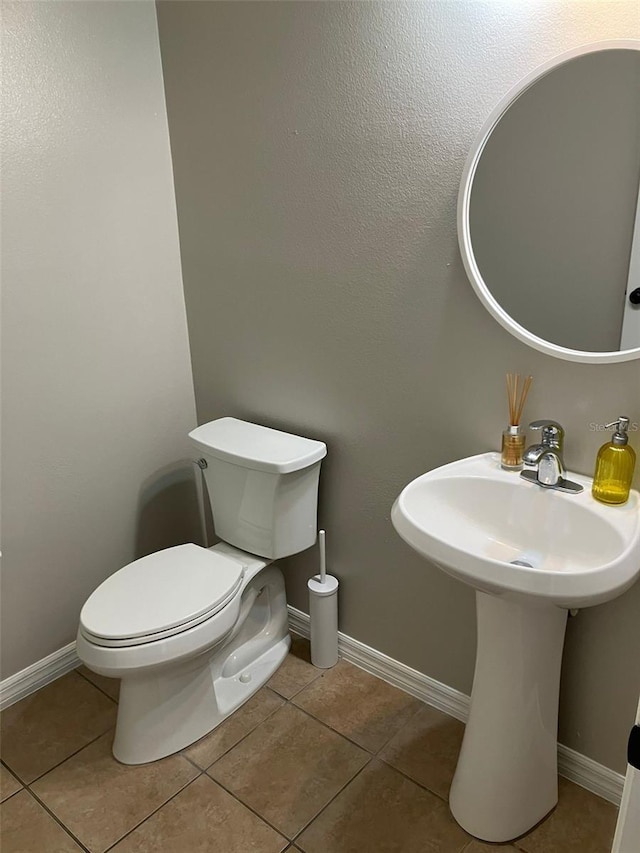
(554, 200)
(317, 152)
(97, 388)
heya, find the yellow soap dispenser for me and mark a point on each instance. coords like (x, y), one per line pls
(614, 466)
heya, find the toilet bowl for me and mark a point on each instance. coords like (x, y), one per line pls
(193, 632)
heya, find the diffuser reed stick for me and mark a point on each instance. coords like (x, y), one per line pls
(513, 438)
(517, 396)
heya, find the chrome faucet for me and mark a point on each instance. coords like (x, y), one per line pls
(546, 459)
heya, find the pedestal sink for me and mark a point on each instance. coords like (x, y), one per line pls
(531, 554)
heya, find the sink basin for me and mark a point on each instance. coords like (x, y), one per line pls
(475, 520)
(531, 554)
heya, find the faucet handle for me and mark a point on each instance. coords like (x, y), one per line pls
(552, 432)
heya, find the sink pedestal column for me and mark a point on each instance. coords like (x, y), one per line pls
(506, 780)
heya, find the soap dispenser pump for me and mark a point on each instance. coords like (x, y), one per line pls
(614, 466)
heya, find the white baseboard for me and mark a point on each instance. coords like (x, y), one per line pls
(572, 765)
(415, 683)
(37, 675)
(587, 773)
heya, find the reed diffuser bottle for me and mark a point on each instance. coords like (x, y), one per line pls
(513, 438)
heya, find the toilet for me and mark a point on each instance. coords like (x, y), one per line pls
(193, 632)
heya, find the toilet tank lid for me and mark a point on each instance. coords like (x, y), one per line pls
(258, 447)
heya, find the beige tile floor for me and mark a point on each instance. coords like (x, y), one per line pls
(317, 761)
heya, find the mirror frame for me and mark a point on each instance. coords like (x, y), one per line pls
(464, 198)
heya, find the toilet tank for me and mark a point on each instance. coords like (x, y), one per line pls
(262, 484)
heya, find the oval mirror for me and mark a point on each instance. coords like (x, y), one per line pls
(548, 211)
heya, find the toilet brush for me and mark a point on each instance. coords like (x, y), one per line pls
(323, 613)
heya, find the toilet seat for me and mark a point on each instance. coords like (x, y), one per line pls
(160, 595)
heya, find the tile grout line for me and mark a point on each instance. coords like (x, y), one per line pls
(370, 755)
(517, 843)
(71, 754)
(237, 743)
(424, 787)
(331, 729)
(205, 772)
(246, 806)
(376, 755)
(182, 752)
(59, 763)
(19, 781)
(82, 675)
(190, 761)
(301, 689)
(52, 815)
(200, 772)
(27, 787)
(406, 723)
(257, 814)
(156, 810)
(10, 796)
(326, 805)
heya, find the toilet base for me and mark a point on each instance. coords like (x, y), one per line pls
(164, 710)
(160, 716)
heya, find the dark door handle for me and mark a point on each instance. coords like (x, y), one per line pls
(634, 296)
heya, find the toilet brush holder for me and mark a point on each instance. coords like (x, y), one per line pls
(323, 614)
